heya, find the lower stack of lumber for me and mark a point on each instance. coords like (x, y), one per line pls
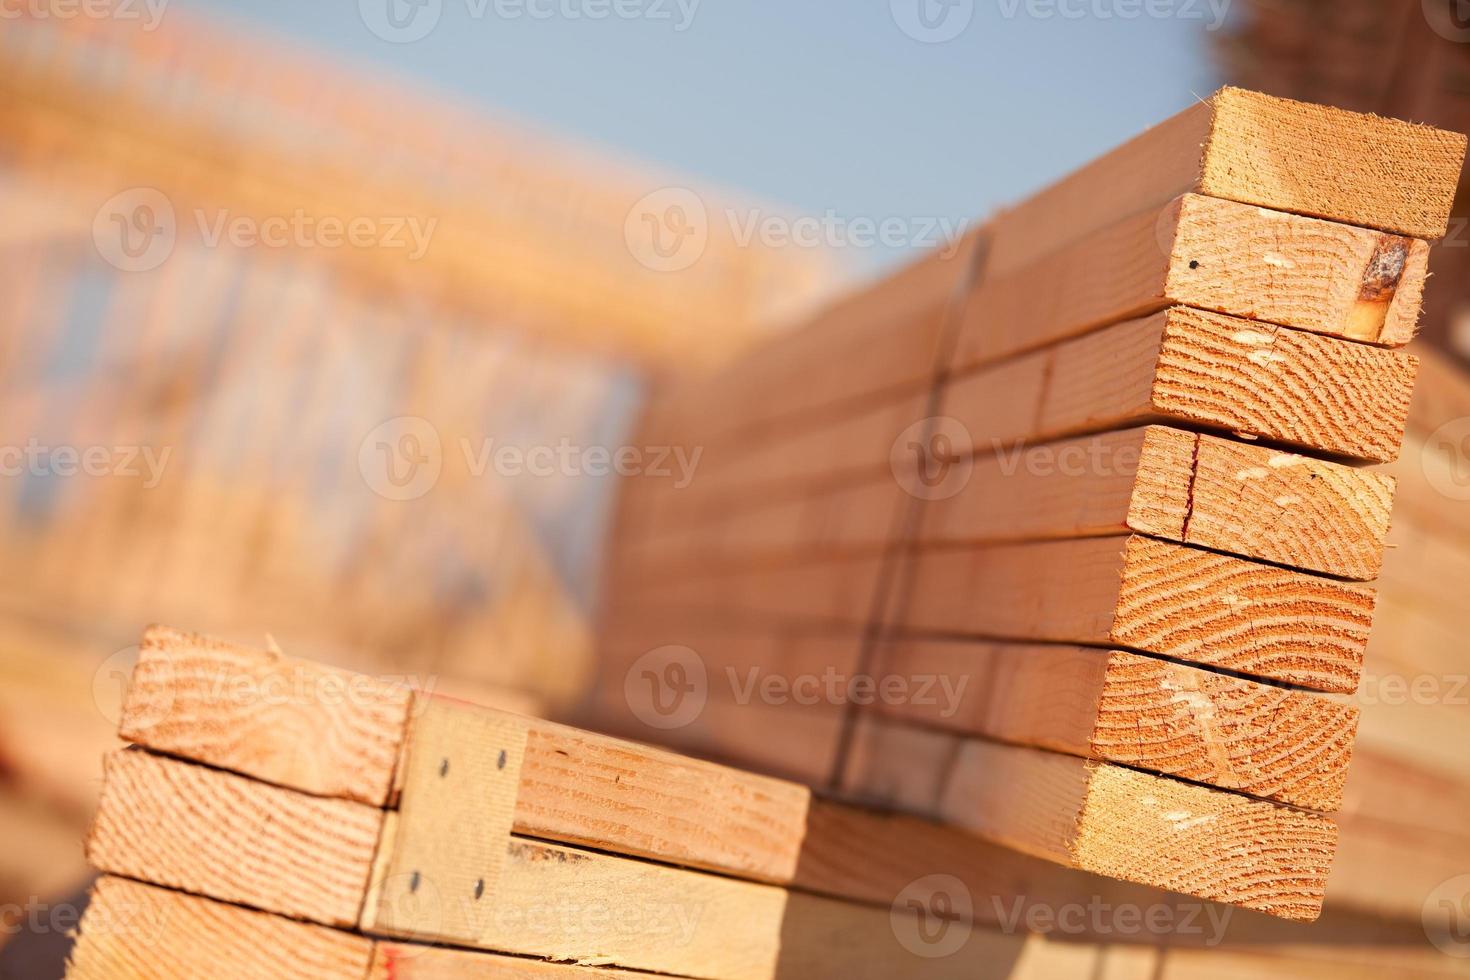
(275, 818)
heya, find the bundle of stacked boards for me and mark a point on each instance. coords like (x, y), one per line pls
(1084, 515)
(275, 818)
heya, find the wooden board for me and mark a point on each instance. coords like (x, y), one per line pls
(1107, 819)
(258, 711)
(1255, 149)
(229, 837)
(1182, 486)
(133, 931)
(1288, 746)
(1148, 829)
(136, 930)
(1322, 394)
(1192, 605)
(1215, 255)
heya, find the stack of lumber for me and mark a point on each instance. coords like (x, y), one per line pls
(381, 815)
(275, 818)
(1084, 518)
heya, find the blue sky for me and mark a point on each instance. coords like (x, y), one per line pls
(823, 106)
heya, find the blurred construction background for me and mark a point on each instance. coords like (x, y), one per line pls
(267, 315)
(206, 429)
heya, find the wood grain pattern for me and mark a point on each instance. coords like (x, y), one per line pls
(1217, 255)
(1284, 154)
(1191, 605)
(1149, 829)
(1281, 507)
(1239, 376)
(1245, 615)
(1320, 276)
(1105, 819)
(136, 931)
(211, 832)
(1288, 746)
(261, 713)
(1183, 486)
(1282, 384)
